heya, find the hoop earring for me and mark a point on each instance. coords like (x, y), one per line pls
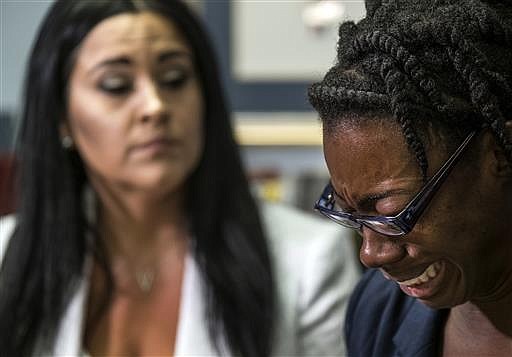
(67, 142)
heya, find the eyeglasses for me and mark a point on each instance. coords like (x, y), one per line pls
(403, 222)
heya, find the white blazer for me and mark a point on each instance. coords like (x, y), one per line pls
(315, 271)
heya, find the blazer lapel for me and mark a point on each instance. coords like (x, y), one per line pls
(192, 338)
(69, 335)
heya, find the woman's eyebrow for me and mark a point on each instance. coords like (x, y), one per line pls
(121, 60)
(172, 54)
(372, 197)
(127, 61)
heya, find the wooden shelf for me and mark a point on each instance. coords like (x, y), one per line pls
(278, 129)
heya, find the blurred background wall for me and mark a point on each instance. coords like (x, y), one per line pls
(269, 52)
(18, 23)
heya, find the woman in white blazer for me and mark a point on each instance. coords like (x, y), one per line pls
(315, 271)
(136, 233)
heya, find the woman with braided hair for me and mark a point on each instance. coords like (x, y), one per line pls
(417, 121)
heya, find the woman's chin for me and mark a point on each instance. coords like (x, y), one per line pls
(161, 185)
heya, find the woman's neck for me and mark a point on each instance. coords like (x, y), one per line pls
(134, 223)
(146, 243)
(480, 328)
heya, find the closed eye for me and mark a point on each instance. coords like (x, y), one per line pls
(174, 78)
(388, 203)
(116, 85)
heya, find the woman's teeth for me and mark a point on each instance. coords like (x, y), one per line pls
(428, 274)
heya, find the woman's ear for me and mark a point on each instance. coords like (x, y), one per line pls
(66, 139)
(63, 129)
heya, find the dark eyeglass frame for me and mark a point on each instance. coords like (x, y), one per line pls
(404, 221)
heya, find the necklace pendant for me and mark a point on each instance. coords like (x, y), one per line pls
(145, 280)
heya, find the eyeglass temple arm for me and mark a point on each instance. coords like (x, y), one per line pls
(421, 201)
(328, 191)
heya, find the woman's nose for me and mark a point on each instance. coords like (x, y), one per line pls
(378, 250)
(153, 104)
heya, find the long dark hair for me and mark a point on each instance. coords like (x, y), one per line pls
(424, 62)
(46, 254)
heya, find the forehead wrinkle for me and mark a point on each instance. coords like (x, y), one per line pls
(132, 36)
(380, 174)
(387, 188)
(125, 29)
(141, 26)
(390, 188)
(134, 44)
(147, 39)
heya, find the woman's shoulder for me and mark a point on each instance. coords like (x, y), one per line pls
(7, 224)
(299, 240)
(315, 268)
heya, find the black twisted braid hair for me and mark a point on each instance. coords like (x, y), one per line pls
(441, 63)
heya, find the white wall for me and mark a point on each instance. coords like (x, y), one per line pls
(19, 20)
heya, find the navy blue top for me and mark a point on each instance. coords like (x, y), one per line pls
(383, 321)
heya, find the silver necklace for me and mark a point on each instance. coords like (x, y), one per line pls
(145, 279)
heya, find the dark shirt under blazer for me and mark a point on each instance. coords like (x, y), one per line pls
(383, 321)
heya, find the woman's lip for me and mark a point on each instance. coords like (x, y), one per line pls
(153, 142)
(428, 273)
(424, 289)
(155, 147)
(423, 275)
(404, 276)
